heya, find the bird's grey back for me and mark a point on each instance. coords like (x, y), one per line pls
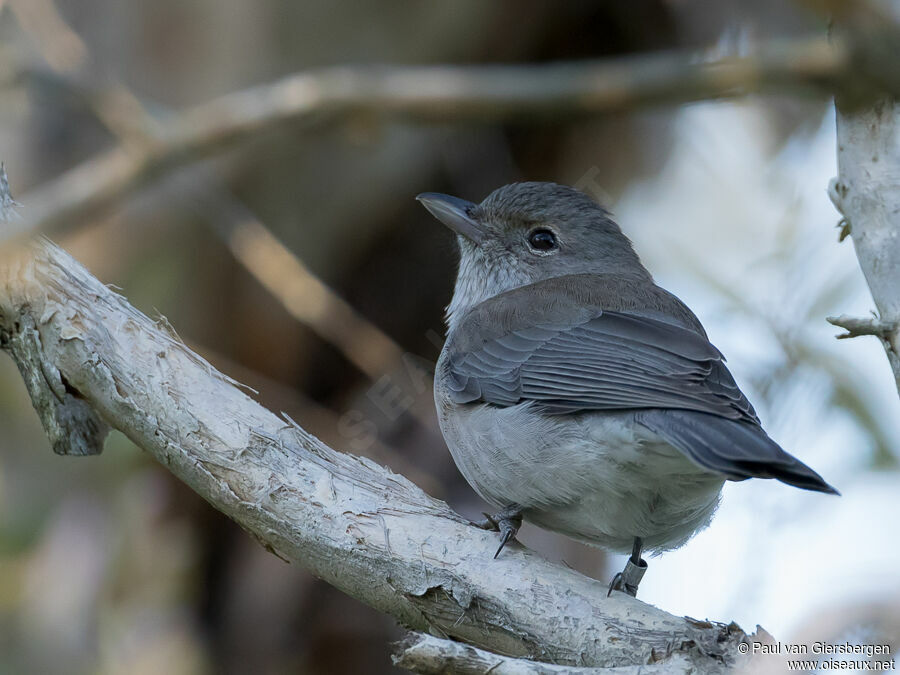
(566, 299)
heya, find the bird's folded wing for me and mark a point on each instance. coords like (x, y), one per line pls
(606, 361)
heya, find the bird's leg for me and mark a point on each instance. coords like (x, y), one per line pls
(507, 523)
(628, 579)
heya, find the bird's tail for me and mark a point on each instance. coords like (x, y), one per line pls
(735, 449)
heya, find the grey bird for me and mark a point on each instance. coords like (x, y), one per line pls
(575, 393)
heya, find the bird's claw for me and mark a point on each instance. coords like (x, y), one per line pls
(507, 523)
(489, 522)
(508, 529)
(615, 584)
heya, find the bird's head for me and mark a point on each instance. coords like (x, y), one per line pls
(527, 232)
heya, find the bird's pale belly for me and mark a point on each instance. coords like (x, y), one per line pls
(595, 477)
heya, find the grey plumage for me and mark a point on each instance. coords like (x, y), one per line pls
(575, 388)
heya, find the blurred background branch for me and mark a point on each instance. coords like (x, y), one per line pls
(477, 93)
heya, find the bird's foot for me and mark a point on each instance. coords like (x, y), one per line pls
(507, 523)
(628, 580)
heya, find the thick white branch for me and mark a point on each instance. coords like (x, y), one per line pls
(90, 360)
(867, 193)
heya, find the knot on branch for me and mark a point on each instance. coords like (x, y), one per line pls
(71, 424)
(837, 192)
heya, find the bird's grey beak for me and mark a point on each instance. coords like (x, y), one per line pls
(454, 213)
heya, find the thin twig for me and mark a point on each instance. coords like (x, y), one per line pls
(858, 326)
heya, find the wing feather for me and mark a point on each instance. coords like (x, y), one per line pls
(609, 361)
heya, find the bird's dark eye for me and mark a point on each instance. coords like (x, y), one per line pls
(542, 240)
